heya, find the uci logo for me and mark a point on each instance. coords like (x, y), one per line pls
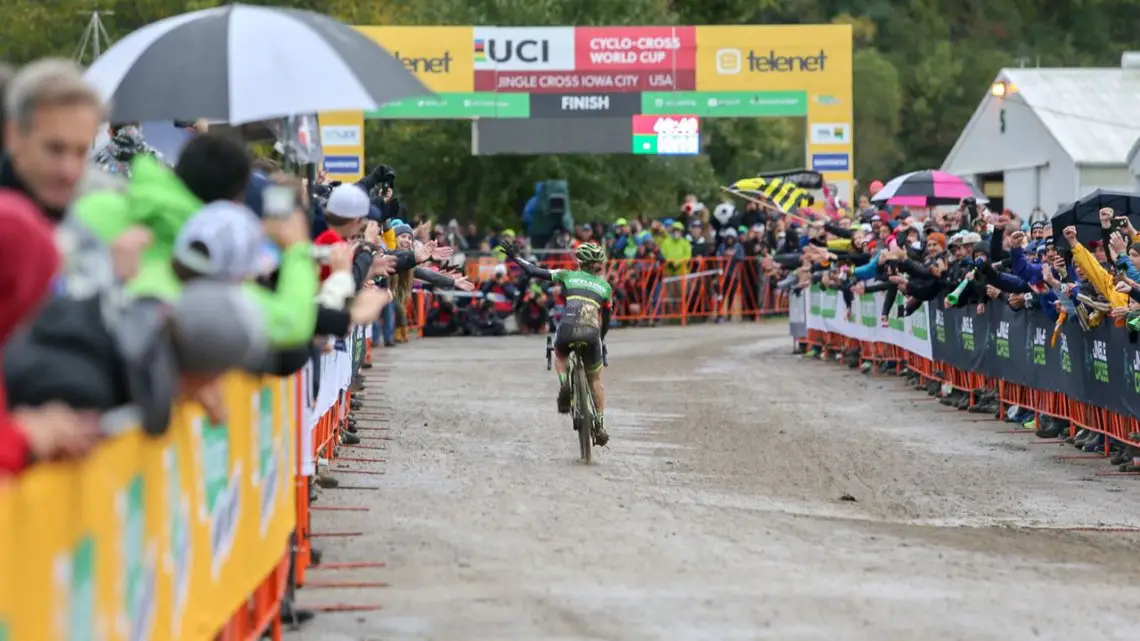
(507, 50)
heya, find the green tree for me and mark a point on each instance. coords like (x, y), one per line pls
(920, 66)
(877, 107)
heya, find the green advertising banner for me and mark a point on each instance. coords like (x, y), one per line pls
(455, 106)
(726, 104)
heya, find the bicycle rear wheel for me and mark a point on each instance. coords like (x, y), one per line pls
(583, 410)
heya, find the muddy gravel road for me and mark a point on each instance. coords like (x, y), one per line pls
(716, 513)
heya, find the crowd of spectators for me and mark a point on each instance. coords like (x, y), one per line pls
(132, 282)
(973, 258)
(716, 251)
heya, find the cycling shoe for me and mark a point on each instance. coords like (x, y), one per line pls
(600, 435)
(564, 399)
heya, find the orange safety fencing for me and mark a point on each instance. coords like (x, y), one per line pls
(325, 446)
(703, 288)
(1080, 414)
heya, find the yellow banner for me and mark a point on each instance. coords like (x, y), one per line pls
(814, 59)
(441, 57)
(8, 567)
(152, 538)
(342, 140)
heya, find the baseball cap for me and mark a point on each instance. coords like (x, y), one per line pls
(621, 221)
(348, 201)
(222, 241)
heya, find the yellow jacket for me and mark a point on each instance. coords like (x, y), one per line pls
(839, 245)
(1098, 276)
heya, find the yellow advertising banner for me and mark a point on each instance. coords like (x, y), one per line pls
(813, 59)
(342, 142)
(441, 57)
(152, 538)
(7, 558)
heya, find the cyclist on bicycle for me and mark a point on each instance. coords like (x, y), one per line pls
(585, 321)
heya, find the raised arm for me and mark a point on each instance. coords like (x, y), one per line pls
(530, 269)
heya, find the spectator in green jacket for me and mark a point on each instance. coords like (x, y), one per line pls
(677, 250)
(210, 169)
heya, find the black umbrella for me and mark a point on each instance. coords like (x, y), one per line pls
(1085, 213)
(241, 64)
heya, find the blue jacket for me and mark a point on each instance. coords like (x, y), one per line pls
(1124, 263)
(1026, 270)
(531, 206)
(736, 252)
(868, 270)
(1011, 283)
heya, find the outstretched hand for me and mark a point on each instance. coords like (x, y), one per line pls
(463, 284)
(423, 251)
(509, 249)
(442, 252)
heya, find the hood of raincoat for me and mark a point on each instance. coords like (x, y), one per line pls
(156, 199)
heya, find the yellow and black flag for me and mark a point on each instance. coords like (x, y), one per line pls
(781, 193)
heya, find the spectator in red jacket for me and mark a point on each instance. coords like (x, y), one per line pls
(28, 261)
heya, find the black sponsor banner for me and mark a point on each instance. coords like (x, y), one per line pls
(1100, 367)
(584, 105)
(1006, 355)
(959, 336)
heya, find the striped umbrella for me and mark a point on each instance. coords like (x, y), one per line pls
(240, 64)
(783, 193)
(926, 189)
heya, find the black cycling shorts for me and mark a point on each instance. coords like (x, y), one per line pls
(587, 340)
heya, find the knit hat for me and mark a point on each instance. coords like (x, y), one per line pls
(402, 228)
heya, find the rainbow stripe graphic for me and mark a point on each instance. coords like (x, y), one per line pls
(480, 50)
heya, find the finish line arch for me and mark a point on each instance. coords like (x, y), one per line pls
(522, 74)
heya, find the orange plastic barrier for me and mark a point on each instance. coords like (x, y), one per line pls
(1081, 415)
(647, 291)
(326, 436)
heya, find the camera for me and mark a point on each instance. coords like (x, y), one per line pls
(387, 178)
(970, 206)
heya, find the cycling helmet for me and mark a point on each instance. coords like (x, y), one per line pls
(590, 253)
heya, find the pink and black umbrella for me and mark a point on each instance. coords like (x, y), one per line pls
(926, 189)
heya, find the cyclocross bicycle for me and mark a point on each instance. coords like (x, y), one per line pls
(582, 408)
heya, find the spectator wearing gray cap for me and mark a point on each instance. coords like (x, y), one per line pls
(225, 243)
